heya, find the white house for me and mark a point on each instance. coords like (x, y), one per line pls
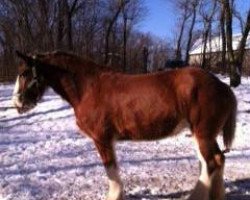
(214, 50)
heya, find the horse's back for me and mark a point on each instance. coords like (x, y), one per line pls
(170, 89)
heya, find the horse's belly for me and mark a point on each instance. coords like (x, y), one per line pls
(154, 131)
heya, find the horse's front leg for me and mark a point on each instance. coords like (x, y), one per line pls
(106, 151)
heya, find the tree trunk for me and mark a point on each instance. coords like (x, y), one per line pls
(190, 34)
(208, 18)
(109, 29)
(60, 25)
(235, 76)
(184, 5)
(145, 54)
(242, 44)
(44, 25)
(223, 38)
(205, 38)
(178, 48)
(125, 20)
(69, 29)
(70, 12)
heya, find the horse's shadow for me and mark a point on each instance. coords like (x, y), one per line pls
(241, 191)
(35, 113)
(175, 195)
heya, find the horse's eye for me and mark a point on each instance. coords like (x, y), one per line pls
(22, 75)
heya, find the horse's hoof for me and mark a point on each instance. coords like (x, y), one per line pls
(115, 198)
(120, 198)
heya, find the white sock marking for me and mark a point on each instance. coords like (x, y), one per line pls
(115, 184)
(15, 97)
(204, 176)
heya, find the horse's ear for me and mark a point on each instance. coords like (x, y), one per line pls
(26, 58)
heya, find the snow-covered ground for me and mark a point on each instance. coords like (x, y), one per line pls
(43, 156)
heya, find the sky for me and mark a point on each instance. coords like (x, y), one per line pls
(162, 18)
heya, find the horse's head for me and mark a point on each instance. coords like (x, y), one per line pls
(30, 84)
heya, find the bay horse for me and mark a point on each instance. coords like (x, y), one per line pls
(111, 106)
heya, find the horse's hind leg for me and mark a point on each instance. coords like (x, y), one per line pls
(107, 154)
(217, 190)
(210, 185)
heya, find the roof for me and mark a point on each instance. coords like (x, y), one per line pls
(216, 44)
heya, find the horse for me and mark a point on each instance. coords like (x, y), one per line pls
(111, 106)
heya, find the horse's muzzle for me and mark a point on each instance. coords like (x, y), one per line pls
(25, 108)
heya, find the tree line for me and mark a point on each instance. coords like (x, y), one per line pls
(102, 30)
(106, 31)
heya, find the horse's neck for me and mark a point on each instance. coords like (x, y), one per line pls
(71, 90)
(71, 86)
(66, 86)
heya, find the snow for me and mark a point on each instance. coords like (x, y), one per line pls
(43, 155)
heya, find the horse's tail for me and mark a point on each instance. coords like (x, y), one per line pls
(229, 127)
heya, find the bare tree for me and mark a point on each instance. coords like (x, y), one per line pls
(60, 24)
(65, 13)
(125, 27)
(44, 17)
(223, 38)
(194, 5)
(116, 10)
(207, 11)
(242, 44)
(71, 9)
(131, 13)
(183, 6)
(235, 57)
